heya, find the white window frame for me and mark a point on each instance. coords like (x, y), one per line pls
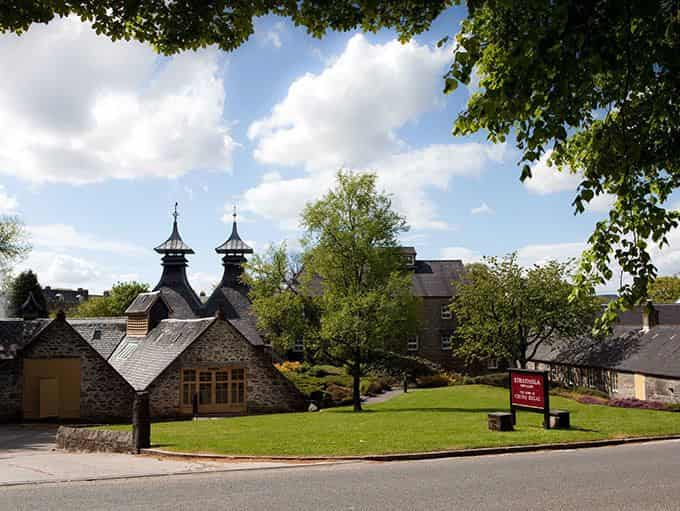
(298, 346)
(492, 363)
(413, 343)
(614, 381)
(446, 312)
(446, 342)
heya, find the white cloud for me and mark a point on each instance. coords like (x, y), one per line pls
(80, 108)
(203, 282)
(464, 254)
(62, 270)
(348, 114)
(8, 203)
(61, 237)
(272, 36)
(548, 179)
(482, 209)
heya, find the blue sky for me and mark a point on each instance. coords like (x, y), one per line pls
(99, 139)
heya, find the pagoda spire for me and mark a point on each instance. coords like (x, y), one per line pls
(174, 244)
(234, 246)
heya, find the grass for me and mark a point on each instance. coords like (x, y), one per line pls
(424, 420)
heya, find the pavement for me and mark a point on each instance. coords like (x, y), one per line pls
(28, 455)
(622, 478)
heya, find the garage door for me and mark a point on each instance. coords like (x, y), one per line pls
(52, 388)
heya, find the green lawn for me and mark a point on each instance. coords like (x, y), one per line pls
(424, 420)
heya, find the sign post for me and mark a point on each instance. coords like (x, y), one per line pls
(529, 390)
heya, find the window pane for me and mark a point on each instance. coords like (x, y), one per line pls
(238, 392)
(237, 374)
(189, 375)
(241, 392)
(221, 393)
(188, 390)
(205, 394)
(221, 376)
(205, 376)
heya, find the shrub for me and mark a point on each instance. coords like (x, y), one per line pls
(636, 403)
(495, 379)
(591, 400)
(289, 366)
(321, 371)
(339, 395)
(436, 380)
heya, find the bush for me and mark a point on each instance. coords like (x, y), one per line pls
(591, 400)
(495, 379)
(436, 380)
(289, 366)
(636, 403)
(339, 395)
(321, 371)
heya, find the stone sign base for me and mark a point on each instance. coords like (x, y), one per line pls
(94, 440)
(500, 421)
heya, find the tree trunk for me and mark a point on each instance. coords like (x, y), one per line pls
(356, 390)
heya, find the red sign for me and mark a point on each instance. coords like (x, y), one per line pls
(527, 390)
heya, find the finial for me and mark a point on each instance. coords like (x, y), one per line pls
(175, 214)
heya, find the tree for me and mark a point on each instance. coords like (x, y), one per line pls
(285, 309)
(21, 287)
(13, 241)
(593, 86)
(506, 311)
(190, 24)
(665, 290)
(114, 304)
(351, 246)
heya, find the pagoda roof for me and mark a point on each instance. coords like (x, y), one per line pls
(234, 245)
(174, 244)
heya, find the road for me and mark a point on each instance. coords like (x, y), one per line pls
(633, 477)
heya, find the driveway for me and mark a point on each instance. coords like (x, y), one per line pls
(28, 455)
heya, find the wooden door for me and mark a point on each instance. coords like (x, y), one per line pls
(49, 398)
(640, 387)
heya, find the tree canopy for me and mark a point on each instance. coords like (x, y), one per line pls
(21, 287)
(596, 86)
(665, 290)
(171, 27)
(13, 242)
(114, 304)
(506, 311)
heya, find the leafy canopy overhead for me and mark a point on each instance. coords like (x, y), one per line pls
(114, 304)
(190, 24)
(508, 312)
(665, 290)
(597, 85)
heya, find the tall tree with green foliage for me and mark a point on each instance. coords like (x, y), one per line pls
(506, 311)
(285, 309)
(351, 246)
(13, 242)
(594, 86)
(118, 300)
(665, 290)
(21, 287)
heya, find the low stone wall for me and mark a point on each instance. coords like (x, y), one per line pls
(94, 440)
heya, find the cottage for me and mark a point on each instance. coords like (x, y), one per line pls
(169, 344)
(641, 359)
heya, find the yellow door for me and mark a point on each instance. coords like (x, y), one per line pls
(640, 387)
(49, 398)
(51, 388)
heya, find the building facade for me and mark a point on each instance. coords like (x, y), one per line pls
(183, 352)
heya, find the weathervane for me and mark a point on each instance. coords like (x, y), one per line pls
(234, 213)
(175, 214)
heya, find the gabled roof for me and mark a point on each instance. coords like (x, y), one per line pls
(142, 359)
(181, 306)
(436, 278)
(234, 245)
(629, 349)
(174, 244)
(16, 333)
(143, 302)
(235, 305)
(103, 334)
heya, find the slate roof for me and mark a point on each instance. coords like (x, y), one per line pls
(237, 309)
(103, 334)
(234, 245)
(141, 360)
(654, 352)
(143, 302)
(174, 244)
(16, 333)
(179, 305)
(434, 278)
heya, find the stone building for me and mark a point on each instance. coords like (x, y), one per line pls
(64, 299)
(169, 344)
(640, 360)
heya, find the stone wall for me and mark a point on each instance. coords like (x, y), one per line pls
(104, 394)
(267, 389)
(94, 440)
(662, 389)
(432, 327)
(10, 390)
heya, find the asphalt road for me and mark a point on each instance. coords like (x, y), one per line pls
(634, 477)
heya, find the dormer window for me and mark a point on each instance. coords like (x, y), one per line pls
(97, 334)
